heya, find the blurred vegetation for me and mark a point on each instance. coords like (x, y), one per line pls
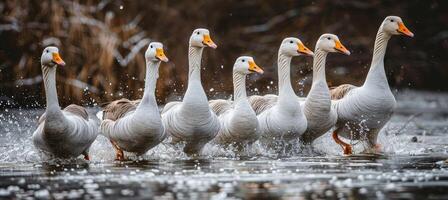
(103, 44)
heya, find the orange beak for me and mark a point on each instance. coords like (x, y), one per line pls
(255, 68)
(161, 55)
(404, 30)
(209, 42)
(57, 59)
(339, 47)
(304, 50)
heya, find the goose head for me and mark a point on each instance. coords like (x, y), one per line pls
(155, 52)
(50, 57)
(292, 46)
(201, 38)
(331, 43)
(246, 65)
(393, 25)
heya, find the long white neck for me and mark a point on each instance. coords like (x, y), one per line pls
(152, 73)
(239, 87)
(49, 78)
(284, 77)
(320, 57)
(195, 96)
(318, 99)
(194, 64)
(377, 74)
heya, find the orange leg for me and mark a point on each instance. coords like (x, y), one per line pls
(345, 146)
(372, 141)
(119, 155)
(86, 156)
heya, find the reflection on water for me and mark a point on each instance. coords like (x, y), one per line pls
(308, 177)
(413, 166)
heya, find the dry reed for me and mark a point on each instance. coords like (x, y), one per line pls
(103, 43)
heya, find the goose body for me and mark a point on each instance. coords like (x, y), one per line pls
(363, 111)
(136, 126)
(239, 123)
(191, 121)
(281, 118)
(321, 117)
(62, 133)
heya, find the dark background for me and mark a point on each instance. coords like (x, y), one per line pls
(103, 44)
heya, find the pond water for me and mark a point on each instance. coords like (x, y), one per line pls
(414, 166)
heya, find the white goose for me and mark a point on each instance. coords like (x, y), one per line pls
(62, 133)
(368, 108)
(317, 105)
(136, 126)
(281, 118)
(239, 123)
(192, 121)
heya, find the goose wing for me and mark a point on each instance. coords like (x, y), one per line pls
(136, 102)
(341, 91)
(219, 106)
(74, 109)
(262, 103)
(118, 109)
(77, 110)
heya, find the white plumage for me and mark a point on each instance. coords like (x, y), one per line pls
(317, 105)
(363, 111)
(191, 121)
(281, 118)
(239, 123)
(136, 126)
(62, 133)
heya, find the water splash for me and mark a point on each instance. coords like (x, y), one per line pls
(422, 134)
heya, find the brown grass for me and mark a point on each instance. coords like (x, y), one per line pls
(104, 45)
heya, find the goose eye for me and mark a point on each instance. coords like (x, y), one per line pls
(243, 60)
(48, 51)
(197, 32)
(328, 38)
(391, 20)
(150, 46)
(291, 42)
